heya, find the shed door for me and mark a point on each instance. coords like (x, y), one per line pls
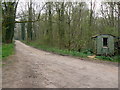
(111, 45)
(99, 45)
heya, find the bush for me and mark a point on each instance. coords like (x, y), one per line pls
(88, 51)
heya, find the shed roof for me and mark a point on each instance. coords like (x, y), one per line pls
(102, 34)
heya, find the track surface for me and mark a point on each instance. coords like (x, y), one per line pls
(32, 68)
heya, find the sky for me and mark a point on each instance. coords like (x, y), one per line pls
(21, 4)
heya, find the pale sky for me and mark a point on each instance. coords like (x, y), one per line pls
(21, 4)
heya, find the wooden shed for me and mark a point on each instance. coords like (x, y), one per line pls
(104, 44)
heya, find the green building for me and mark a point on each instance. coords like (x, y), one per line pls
(104, 44)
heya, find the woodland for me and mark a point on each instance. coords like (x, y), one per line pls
(63, 25)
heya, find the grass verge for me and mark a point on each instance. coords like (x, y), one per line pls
(0, 52)
(115, 58)
(72, 53)
(7, 50)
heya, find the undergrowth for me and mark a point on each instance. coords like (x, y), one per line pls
(82, 54)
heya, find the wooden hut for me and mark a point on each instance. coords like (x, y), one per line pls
(104, 44)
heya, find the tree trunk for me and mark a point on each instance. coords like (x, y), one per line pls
(61, 26)
(29, 25)
(50, 35)
(23, 31)
(119, 27)
(9, 14)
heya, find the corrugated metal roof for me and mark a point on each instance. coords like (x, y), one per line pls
(102, 34)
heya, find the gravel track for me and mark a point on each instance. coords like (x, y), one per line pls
(33, 68)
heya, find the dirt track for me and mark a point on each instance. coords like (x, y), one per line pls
(32, 68)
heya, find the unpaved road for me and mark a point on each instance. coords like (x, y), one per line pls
(32, 68)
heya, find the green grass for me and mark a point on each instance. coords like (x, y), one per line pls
(109, 58)
(83, 54)
(0, 52)
(7, 50)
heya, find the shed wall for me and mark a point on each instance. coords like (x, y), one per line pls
(104, 50)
